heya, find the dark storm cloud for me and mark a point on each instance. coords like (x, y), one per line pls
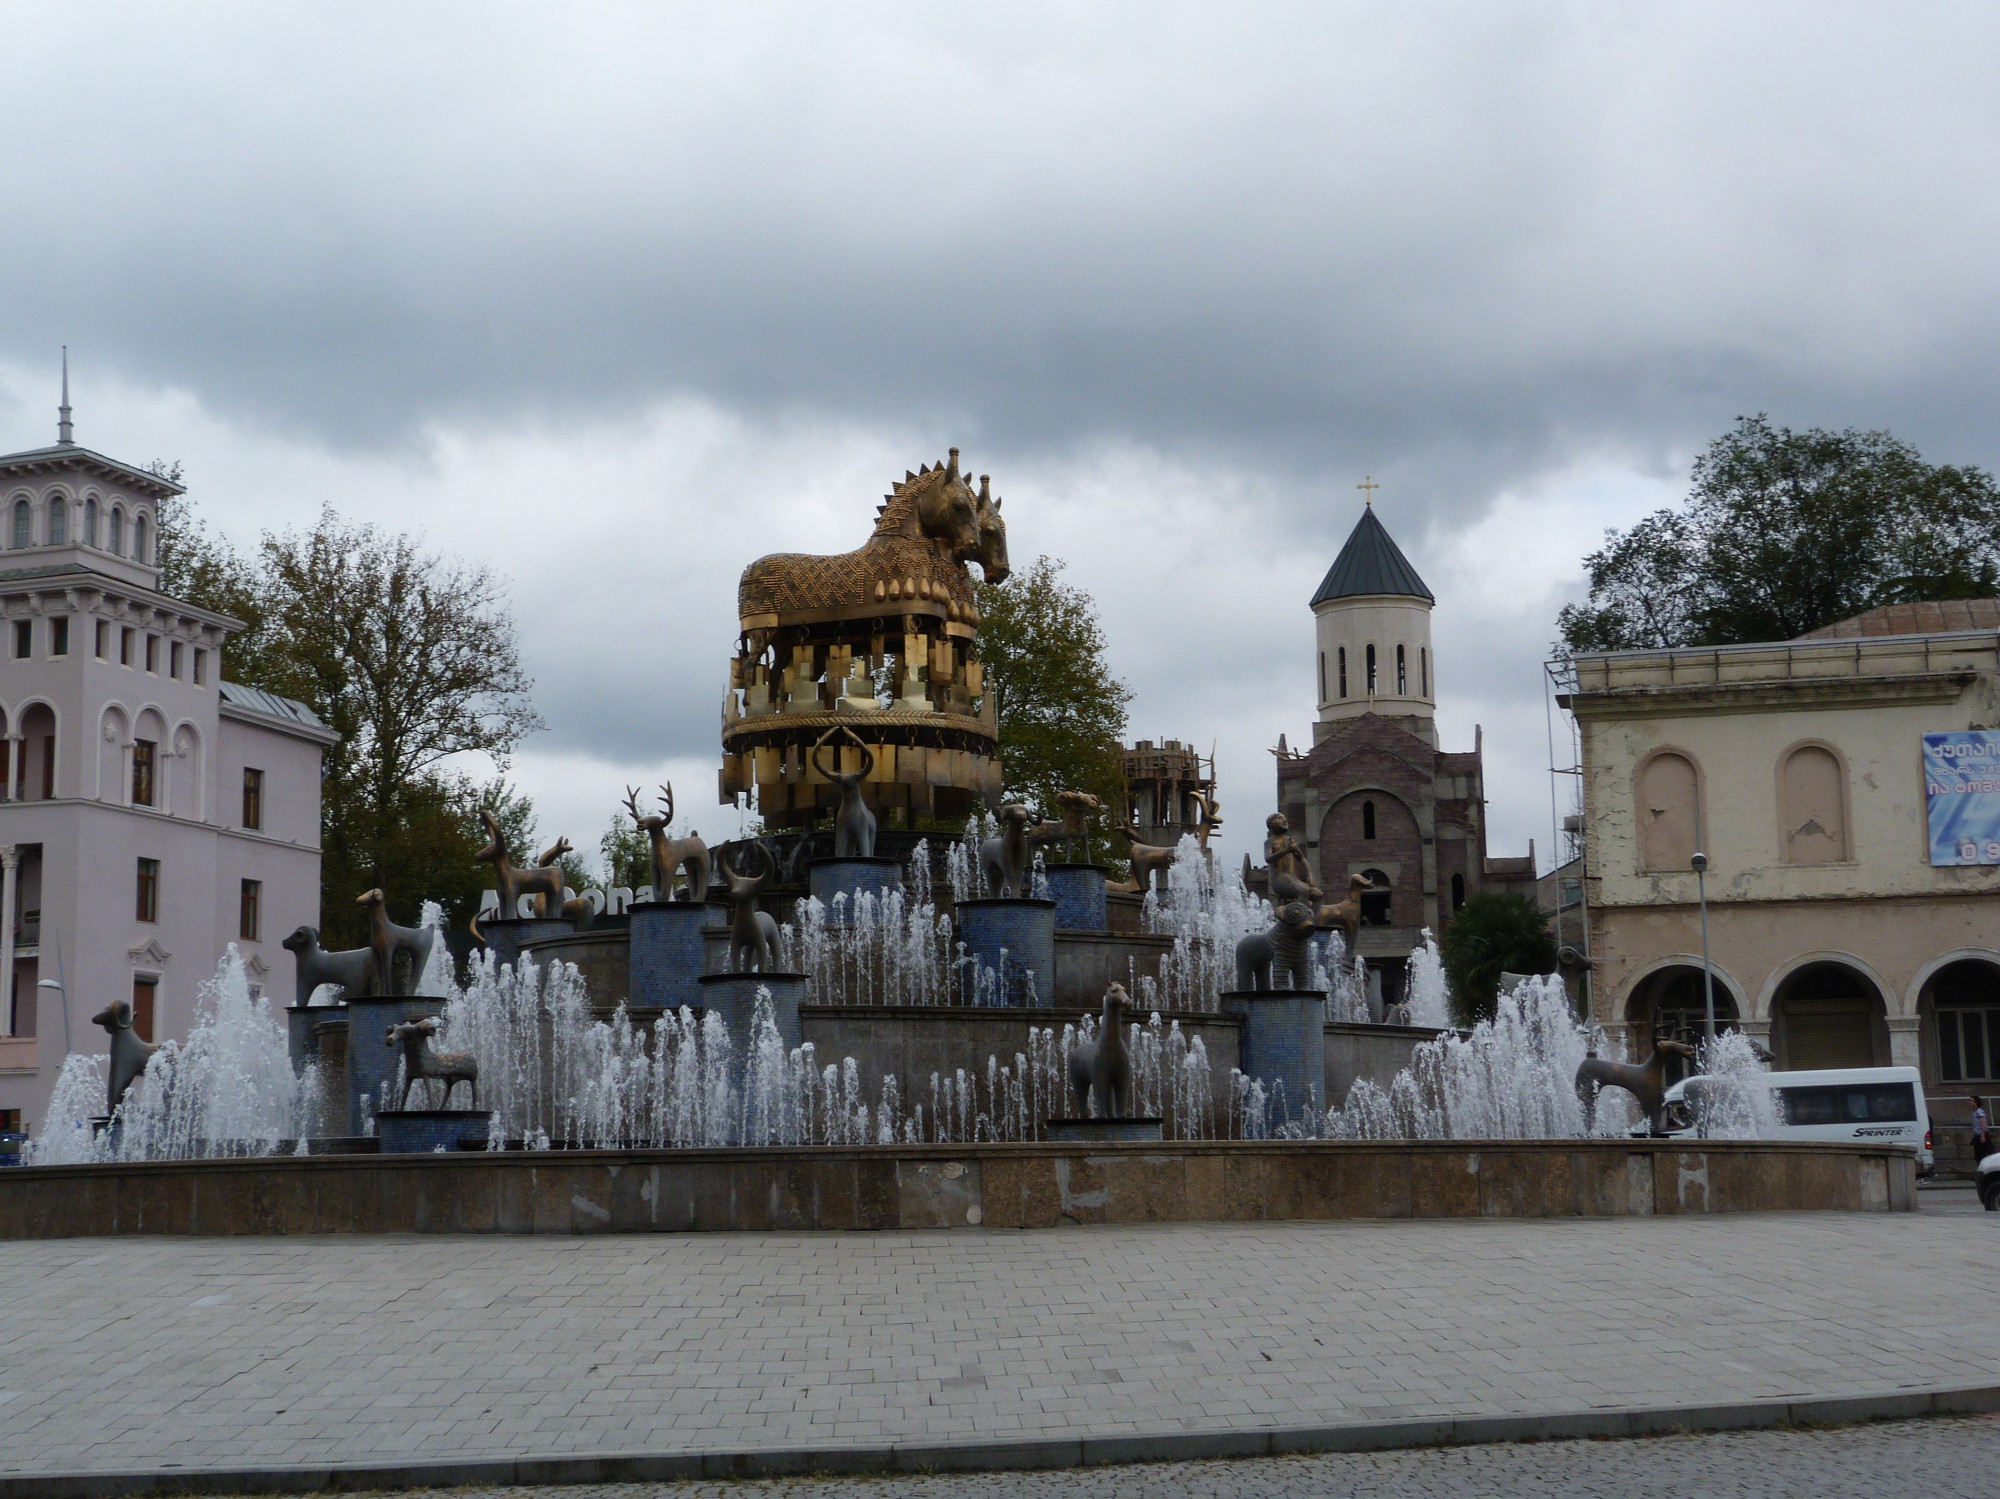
(1458, 244)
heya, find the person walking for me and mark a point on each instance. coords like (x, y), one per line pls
(1982, 1131)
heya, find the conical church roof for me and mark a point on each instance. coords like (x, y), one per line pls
(1370, 563)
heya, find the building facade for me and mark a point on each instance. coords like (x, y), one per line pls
(150, 813)
(1375, 795)
(1798, 768)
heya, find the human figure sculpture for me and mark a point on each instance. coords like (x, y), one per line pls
(1147, 860)
(687, 855)
(1073, 831)
(542, 880)
(1646, 1081)
(129, 1054)
(1003, 860)
(1280, 957)
(353, 971)
(853, 823)
(421, 1060)
(1291, 875)
(1100, 1072)
(753, 935)
(386, 939)
(1345, 917)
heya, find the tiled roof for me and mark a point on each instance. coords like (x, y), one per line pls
(1370, 563)
(1940, 618)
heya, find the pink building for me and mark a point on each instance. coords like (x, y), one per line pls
(150, 813)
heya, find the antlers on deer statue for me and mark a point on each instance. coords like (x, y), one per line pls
(687, 854)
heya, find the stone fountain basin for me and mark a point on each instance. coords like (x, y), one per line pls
(949, 1186)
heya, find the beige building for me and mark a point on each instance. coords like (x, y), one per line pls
(1799, 769)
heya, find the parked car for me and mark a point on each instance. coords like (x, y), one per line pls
(1988, 1179)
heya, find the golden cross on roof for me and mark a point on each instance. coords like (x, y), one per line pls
(1370, 486)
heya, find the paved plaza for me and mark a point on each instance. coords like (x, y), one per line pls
(197, 1353)
(1939, 1459)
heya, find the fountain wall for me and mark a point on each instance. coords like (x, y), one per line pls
(943, 1186)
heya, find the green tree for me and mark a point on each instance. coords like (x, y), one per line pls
(411, 658)
(1494, 932)
(627, 855)
(1061, 711)
(1785, 532)
(200, 566)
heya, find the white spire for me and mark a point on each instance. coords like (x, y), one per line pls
(65, 429)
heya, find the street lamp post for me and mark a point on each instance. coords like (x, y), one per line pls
(1700, 863)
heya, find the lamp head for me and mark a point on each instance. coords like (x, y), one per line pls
(1699, 863)
(49, 984)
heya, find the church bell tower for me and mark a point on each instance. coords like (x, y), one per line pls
(1372, 618)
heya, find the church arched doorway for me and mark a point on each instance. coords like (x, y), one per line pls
(1828, 1014)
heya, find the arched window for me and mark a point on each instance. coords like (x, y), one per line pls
(1343, 671)
(58, 519)
(1402, 674)
(1376, 899)
(1371, 669)
(23, 523)
(1669, 812)
(90, 521)
(117, 531)
(1368, 820)
(1813, 806)
(1458, 892)
(1424, 669)
(139, 538)
(1322, 676)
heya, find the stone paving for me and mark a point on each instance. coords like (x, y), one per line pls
(1941, 1459)
(209, 1352)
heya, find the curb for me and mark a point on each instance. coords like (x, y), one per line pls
(967, 1457)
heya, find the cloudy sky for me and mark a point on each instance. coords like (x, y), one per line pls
(616, 299)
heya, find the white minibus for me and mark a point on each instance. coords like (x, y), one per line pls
(1854, 1104)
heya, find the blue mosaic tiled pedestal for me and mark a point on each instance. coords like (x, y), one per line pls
(423, 1131)
(505, 939)
(827, 878)
(1078, 891)
(1283, 1047)
(1011, 944)
(372, 1063)
(668, 951)
(733, 996)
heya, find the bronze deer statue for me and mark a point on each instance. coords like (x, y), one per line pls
(421, 1060)
(544, 880)
(853, 823)
(687, 855)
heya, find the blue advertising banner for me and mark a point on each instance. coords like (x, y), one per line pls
(1962, 785)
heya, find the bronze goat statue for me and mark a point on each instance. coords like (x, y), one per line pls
(1147, 860)
(1645, 1081)
(422, 1060)
(386, 939)
(753, 935)
(542, 880)
(1003, 860)
(129, 1055)
(1073, 832)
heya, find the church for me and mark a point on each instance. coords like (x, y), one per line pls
(1375, 795)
